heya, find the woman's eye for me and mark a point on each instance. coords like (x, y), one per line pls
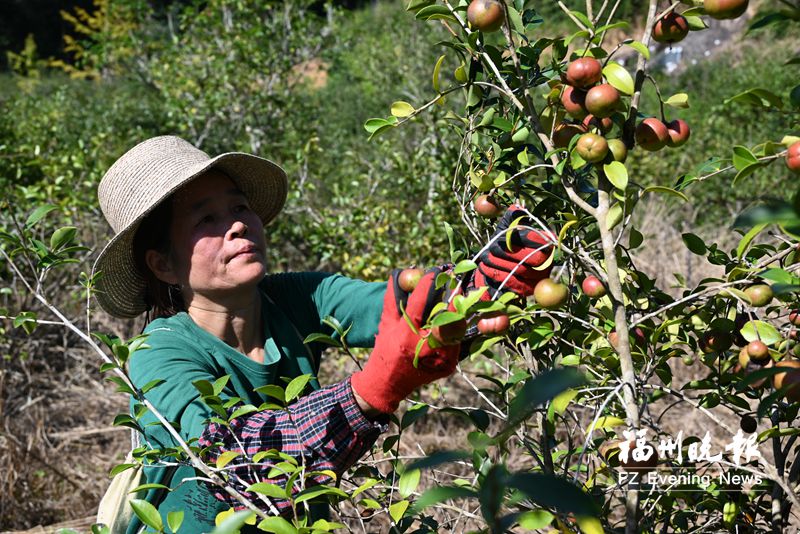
(241, 207)
(206, 219)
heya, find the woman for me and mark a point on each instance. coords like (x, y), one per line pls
(190, 249)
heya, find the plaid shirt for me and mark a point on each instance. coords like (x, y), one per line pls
(327, 428)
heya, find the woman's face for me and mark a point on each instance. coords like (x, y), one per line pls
(217, 242)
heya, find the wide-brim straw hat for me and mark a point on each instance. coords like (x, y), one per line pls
(145, 176)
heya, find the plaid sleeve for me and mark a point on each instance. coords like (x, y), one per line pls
(326, 430)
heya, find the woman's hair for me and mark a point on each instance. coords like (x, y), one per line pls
(164, 300)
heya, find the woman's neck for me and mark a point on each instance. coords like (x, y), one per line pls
(237, 325)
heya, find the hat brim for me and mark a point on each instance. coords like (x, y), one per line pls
(120, 289)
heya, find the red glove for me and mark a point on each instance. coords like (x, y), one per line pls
(529, 249)
(389, 375)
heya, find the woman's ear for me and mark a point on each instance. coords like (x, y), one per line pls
(161, 267)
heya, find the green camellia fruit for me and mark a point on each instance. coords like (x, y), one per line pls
(725, 9)
(759, 294)
(486, 15)
(584, 72)
(618, 149)
(602, 100)
(793, 157)
(651, 134)
(671, 28)
(592, 147)
(550, 294)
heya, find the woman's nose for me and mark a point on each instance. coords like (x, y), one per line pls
(238, 229)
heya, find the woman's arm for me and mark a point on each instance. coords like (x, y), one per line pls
(325, 430)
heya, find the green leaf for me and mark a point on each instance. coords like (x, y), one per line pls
(771, 212)
(296, 387)
(757, 97)
(753, 330)
(607, 421)
(694, 243)
(552, 491)
(117, 469)
(147, 513)
(402, 109)
(639, 47)
(747, 239)
(62, 237)
(38, 214)
(409, 481)
(590, 525)
(618, 77)
(439, 494)
(747, 171)
(438, 458)
(372, 125)
(175, 520)
(614, 216)
(780, 276)
(436, 70)
(446, 317)
(274, 391)
(397, 510)
(465, 266)
(617, 174)
(562, 400)
(695, 23)
(321, 338)
(583, 18)
(318, 491)
(226, 457)
(679, 100)
(270, 490)
(437, 11)
(539, 390)
(277, 525)
(742, 157)
(146, 487)
(535, 519)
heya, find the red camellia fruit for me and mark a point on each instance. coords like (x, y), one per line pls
(564, 133)
(651, 134)
(409, 278)
(678, 131)
(618, 149)
(592, 287)
(493, 323)
(640, 466)
(486, 15)
(602, 100)
(488, 206)
(603, 125)
(758, 351)
(592, 147)
(450, 333)
(793, 157)
(584, 72)
(715, 341)
(574, 102)
(759, 294)
(550, 294)
(725, 9)
(638, 337)
(671, 28)
(789, 379)
(794, 317)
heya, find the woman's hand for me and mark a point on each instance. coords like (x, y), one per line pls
(389, 375)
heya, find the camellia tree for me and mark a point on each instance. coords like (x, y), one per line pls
(565, 386)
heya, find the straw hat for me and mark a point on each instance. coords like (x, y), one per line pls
(146, 175)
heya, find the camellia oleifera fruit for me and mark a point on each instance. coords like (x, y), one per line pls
(493, 323)
(450, 333)
(651, 134)
(679, 133)
(409, 278)
(574, 102)
(602, 100)
(725, 9)
(487, 206)
(618, 149)
(639, 466)
(592, 287)
(603, 125)
(748, 424)
(794, 317)
(759, 294)
(592, 147)
(758, 351)
(716, 341)
(638, 338)
(584, 72)
(793, 157)
(486, 15)
(550, 294)
(670, 28)
(564, 133)
(790, 379)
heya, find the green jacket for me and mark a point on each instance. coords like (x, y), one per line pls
(180, 353)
